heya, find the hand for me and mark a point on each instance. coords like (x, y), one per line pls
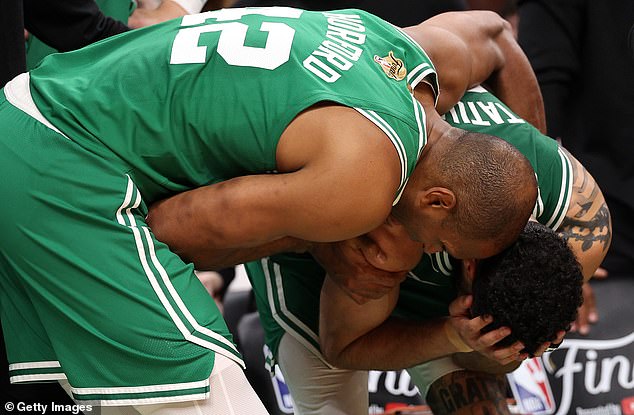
(587, 314)
(142, 17)
(549, 347)
(348, 267)
(213, 283)
(476, 362)
(390, 248)
(468, 331)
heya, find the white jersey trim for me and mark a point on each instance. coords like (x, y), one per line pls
(148, 401)
(38, 377)
(34, 365)
(538, 211)
(277, 315)
(565, 194)
(127, 206)
(421, 121)
(396, 141)
(413, 276)
(141, 389)
(18, 93)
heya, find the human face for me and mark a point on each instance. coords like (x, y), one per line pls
(441, 235)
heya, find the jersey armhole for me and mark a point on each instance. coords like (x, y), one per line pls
(556, 204)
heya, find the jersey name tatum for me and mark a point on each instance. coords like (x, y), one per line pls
(338, 52)
(478, 113)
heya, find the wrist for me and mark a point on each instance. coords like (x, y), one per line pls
(454, 338)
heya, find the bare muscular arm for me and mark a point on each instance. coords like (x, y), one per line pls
(474, 47)
(587, 225)
(320, 196)
(364, 336)
(361, 336)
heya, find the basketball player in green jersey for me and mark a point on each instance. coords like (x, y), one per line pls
(89, 141)
(397, 331)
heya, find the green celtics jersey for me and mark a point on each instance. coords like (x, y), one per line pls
(205, 98)
(287, 286)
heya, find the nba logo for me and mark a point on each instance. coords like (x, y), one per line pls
(282, 394)
(531, 388)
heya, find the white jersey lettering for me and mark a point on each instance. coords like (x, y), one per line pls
(346, 49)
(320, 69)
(512, 119)
(339, 52)
(477, 118)
(490, 109)
(334, 58)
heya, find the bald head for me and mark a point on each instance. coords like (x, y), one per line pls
(494, 184)
(475, 185)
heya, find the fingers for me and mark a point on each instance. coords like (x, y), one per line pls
(586, 314)
(591, 304)
(600, 273)
(560, 337)
(460, 306)
(512, 353)
(550, 346)
(470, 331)
(491, 338)
(486, 345)
(580, 325)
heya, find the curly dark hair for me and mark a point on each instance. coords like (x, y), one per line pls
(533, 287)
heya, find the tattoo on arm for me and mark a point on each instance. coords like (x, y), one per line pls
(468, 393)
(588, 219)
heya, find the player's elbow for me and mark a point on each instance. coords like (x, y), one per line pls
(333, 344)
(333, 354)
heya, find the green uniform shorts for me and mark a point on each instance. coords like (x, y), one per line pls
(87, 292)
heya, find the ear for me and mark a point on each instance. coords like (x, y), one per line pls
(438, 197)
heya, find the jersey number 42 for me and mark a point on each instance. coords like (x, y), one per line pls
(231, 43)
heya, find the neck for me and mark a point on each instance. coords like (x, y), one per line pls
(436, 126)
(439, 133)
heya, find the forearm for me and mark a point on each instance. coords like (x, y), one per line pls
(475, 47)
(515, 82)
(590, 249)
(207, 259)
(220, 225)
(396, 344)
